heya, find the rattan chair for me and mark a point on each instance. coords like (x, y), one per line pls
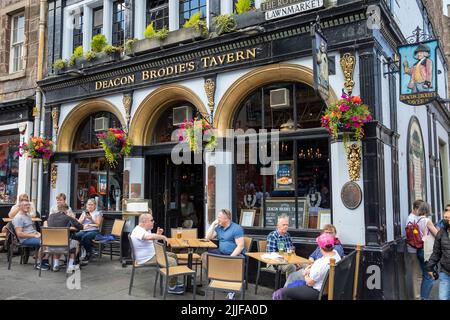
(57, 239)
(12, 242)
(135, 265)
(166, 272)
(117, 231)
(225, 274)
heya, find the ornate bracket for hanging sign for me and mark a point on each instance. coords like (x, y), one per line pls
(348, 63)
(418, 36)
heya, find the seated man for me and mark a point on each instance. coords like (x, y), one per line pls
(317, 254)
(144, 249)
(60, 200)
(61, 219)
(308, 288)
(230, 236)
(281, 238)
(27, 234)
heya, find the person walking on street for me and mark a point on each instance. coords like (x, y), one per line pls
(441, 255)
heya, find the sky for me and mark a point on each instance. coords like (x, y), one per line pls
(446, 2)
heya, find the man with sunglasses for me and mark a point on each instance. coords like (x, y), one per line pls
(441, 255)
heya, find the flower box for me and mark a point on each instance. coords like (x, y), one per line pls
(175, 37)
(250, 18)
(100, 58)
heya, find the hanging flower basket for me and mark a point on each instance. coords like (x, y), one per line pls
(348, 115)
(115, 143)
(191, 131)
(37, 148)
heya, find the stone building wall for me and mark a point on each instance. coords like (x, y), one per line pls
(20, 84)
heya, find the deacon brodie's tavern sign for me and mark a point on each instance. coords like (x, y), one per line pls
(153, 74)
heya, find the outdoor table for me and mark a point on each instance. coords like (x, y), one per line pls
(190, 245)
(293, 259)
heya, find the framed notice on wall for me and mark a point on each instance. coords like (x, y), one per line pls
(247, 217)
(284, 175)
(278, 206)
(324, 218)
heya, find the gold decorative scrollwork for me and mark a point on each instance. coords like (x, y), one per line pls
(348, 63)
(210, 89)
(55, 118)
(53, 175)
(126, 100)
(354, 159)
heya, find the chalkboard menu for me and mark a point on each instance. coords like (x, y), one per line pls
(277, 207)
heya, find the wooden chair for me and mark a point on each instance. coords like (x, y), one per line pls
(247, 245)
(183, 257)
(54, 241)
(166, 272)
(135, 265)
(117, 231)
(262, 245)
(225, 274)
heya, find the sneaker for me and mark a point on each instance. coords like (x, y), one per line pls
(85, 261)
(70, 269)
(42, 266)
(56, 268)
(175, 290)
(180, 285)
(230, 295)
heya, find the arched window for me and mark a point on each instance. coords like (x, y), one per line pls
(93, 176)
(300, 186)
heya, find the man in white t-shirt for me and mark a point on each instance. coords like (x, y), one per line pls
(415, 273)
(144, 248)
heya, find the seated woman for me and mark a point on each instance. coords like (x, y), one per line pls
(313, 275)
(317, 254)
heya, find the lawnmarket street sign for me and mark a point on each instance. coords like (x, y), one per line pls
(282, 8)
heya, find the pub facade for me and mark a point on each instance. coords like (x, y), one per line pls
(259, 77)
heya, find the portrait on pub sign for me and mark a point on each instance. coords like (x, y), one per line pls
(418, 72)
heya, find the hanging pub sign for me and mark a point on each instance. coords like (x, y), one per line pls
(320, 61)
(418, 72)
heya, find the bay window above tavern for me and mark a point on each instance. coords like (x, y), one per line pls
(16, 61)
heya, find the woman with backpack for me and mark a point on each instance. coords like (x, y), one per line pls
(426, 227)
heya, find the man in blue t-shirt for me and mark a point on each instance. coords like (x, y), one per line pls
(229, 234)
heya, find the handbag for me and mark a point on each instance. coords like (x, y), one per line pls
(428, 243)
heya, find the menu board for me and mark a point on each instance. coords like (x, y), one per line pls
(279, 206)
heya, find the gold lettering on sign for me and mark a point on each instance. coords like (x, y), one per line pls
(116, 82)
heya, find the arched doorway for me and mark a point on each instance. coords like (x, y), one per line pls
(153, 127)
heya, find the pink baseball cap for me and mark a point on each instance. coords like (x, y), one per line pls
(326, 241)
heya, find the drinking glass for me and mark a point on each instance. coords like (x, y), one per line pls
(280, 247)
(290, 252)
(179, 233)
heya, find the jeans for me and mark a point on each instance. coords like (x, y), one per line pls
(32, 242)
(85, 238)
(444, 286)
(427, 281)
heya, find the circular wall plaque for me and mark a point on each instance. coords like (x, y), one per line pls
(351, 195)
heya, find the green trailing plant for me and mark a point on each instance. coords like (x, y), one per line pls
(98, 43)
(129, 44)
(77, 53)
(150, 32)
(225, 23)
(197, 23)
(90, 55)
(243, 6)
(163, 33)
(59, 64)
(110, 50)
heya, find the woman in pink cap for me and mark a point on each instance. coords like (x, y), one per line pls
(314, 275)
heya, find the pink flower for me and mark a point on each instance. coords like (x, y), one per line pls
(347, 126)
(355, 119)
(369, 118)
(344, 96)
(344, 107)
(357, 124)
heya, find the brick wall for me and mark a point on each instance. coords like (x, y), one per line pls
(23, 83)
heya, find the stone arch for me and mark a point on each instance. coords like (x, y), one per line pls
(150, 110)
(242, 87)
(69, 127)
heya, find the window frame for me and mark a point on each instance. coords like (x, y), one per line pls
(154, 10)
(93, 27)
(14, 45)
(120, 34)
(181, 20)
(80, 35)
